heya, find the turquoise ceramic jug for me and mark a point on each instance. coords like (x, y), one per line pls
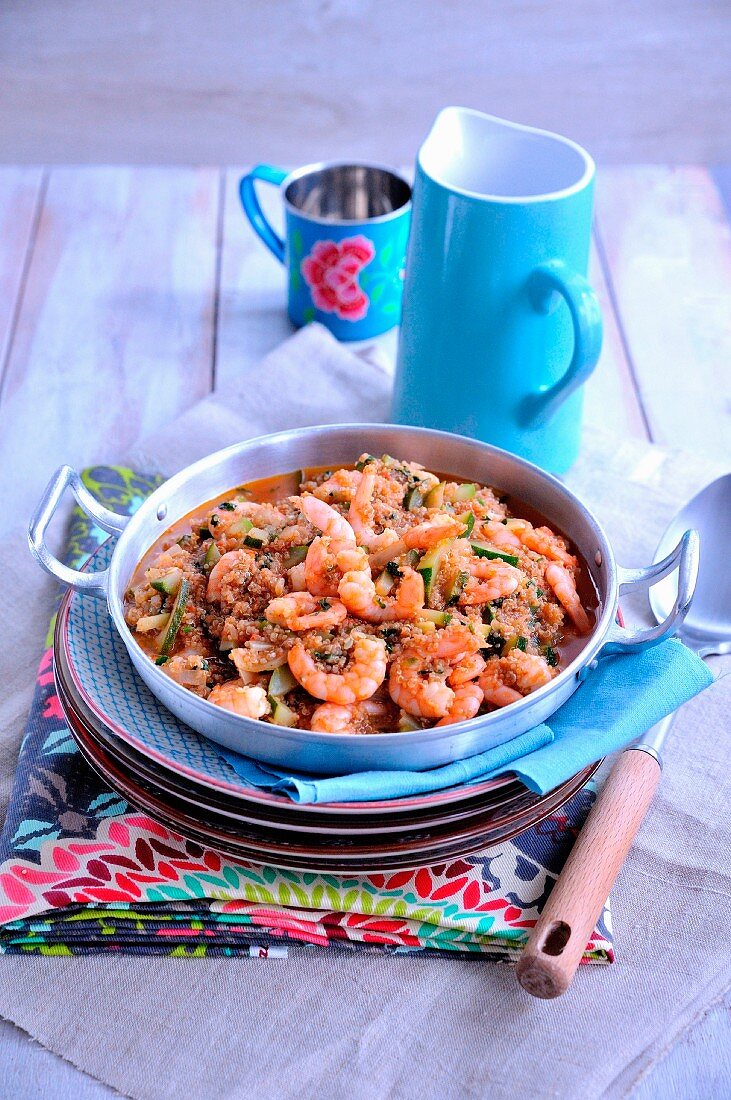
(500, 328)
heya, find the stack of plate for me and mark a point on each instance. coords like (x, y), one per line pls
(166, 769)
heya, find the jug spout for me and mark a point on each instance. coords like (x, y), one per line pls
(489, 158)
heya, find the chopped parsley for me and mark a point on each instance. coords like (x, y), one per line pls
(551, 656)
(161, 660)
(494, 644)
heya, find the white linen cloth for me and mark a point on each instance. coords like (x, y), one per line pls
(329, 1025)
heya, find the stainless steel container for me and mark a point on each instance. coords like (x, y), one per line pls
(329, 753)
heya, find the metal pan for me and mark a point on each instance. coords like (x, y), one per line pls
(332, 754)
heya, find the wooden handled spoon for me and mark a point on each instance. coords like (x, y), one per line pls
(558, 941)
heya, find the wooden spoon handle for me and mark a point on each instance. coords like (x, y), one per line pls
(569, 917)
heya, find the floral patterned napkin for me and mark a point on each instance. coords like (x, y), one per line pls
(82, 871)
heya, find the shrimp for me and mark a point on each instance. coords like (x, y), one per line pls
(326, 562)
(361, 679)
(328, 520)
(455, 643)
(332, 552)
(489, 580)
(341, 487)
(247, 700)
(421, 537)
(564, 586)
(494, 688)
(301, 611)
(542, 540)
(468, 699)
(419, 691)
(418, 678)
(332, 718)
(360, 516)
(531, 671)
(358, 593)
(468, 669)
(336, 718)
(528, 671)
(225, 565)
(499, 535)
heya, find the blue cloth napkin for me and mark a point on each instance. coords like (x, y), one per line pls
(617, 703)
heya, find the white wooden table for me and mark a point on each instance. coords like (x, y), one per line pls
(127, 294)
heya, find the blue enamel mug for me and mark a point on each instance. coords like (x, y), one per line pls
(346, 227)
(500, 328)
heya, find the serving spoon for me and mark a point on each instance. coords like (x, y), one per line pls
(557, 943)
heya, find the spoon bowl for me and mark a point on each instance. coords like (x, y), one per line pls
(707, 627)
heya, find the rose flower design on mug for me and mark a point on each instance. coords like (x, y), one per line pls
(331, 271)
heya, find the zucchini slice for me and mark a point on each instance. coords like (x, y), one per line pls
(483, 551)
(407, 723)
(456, 587)
(296, 555)
(385, 582)
(169, 584)
(282, 715)
(439, 618)
(152, 622)
(213, 554)
(413, 499)
(169, 634)
(470, 524)
(242, 526)
(430, 564)
(435, 496)
(281, 681)
(256, 538)
(465, 491)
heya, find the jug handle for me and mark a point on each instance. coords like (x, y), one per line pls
(544, 283)
(268, 174)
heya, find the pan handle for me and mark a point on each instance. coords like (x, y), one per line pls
(65, 477)
(685, 559)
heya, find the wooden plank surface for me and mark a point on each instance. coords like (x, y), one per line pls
(116, 327)
(20, 196)
(610, 401)
(251, 312)
(667, 245)
(185, 81)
